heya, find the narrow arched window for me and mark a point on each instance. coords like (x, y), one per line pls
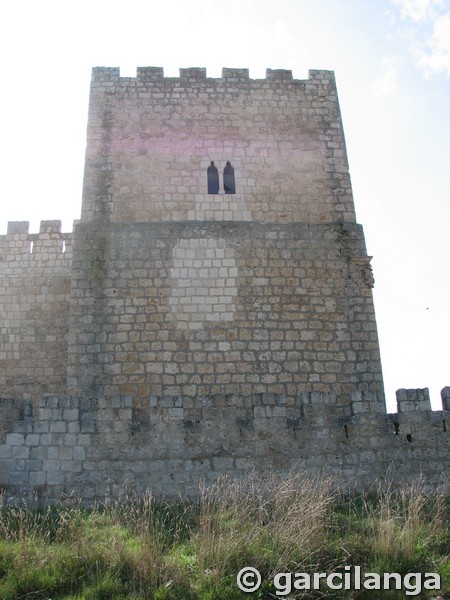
(228, 179)
(213, 179)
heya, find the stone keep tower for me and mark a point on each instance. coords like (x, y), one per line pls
(180, 293)
(209, 321)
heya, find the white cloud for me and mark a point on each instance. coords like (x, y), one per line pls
(428, 30)
(435, 55)
(386, 84)
(417, 10)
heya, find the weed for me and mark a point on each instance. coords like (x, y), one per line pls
(133, 547)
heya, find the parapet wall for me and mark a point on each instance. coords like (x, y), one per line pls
(93, 447)
(151, 139)
(35, 276)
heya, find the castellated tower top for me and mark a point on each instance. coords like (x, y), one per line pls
(152, 138)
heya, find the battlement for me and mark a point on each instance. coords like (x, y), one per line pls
(111, 75)
(90, 446)
(20, 227)
(49, 236)
(19, 244)
(35, 275)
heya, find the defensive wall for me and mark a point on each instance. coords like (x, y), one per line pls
(35, 280)
(178, 335)
(94, 448)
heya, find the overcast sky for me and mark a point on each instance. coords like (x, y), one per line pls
(392, 64)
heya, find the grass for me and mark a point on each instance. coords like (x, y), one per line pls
(136, 548)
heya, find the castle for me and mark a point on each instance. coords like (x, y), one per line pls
(212, 311)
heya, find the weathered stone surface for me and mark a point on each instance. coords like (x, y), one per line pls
(202, 334)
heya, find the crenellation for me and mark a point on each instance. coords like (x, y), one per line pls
(235, 75)
(20, 245)
(192, 74)
(445, 397)
(105, 74)
(149, 74)
(50, 227)
(108, 75)
(413, 400)
(18, 227)
(278, 75)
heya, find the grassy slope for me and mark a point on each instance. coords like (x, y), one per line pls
(136, 548)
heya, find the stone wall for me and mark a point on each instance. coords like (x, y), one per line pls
(177, 335)
(94, 448)
(204, 309)
(35, 279)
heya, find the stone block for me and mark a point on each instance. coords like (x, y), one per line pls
(38, 453)
(15, 439)
(5, 451)
(51, 465)
(20, 452)
(58, 427)
(41, 427)
(55, 477)
(79, 453)
(176, 414)
(71, 466)
(73, 427)
(70, 414)
(32, 439)
(37, 478)
(359, 407)
(65, 452)
(53, 452)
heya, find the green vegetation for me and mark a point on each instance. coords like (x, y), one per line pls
(137, 548)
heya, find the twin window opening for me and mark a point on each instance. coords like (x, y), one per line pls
(229, 184)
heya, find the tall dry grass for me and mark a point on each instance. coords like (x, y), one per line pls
(134, 546)
(271, 523)
(403, 525)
